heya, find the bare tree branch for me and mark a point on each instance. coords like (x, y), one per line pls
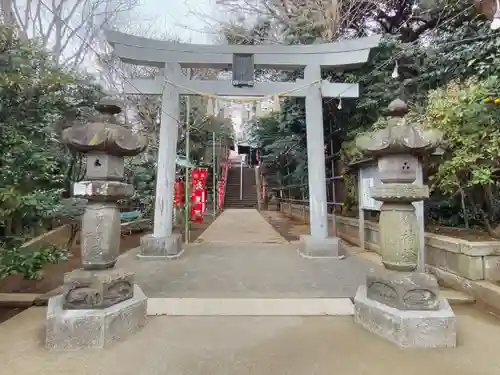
(69, 28)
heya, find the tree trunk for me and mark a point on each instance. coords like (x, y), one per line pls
(486, 7)
(7, 12)
(464, 210)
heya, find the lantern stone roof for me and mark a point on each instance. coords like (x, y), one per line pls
(104, 134)
(399, 136)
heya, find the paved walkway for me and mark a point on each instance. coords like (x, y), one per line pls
(251, 346)
(241, 255)
(241, 226)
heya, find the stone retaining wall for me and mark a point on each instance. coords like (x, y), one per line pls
(471, 260)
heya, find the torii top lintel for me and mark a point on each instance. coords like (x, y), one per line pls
(344, 54)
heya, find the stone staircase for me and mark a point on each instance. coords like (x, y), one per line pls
(232, 198)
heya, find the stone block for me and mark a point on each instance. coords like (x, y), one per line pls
(82, 329)
(439, 242)
(399, 236)
(406, 328)
(310, 247)
(461, 264)
(87, 289)
(480, 248)
(161, 247)
(435, 257)
(399, 192)
(400, 168)
(103, 190)
(372, 236)
(403, 290)
(470, 267)
(100, 235)
(101, 166)
(492, 268)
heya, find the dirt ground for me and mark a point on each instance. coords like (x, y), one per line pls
(287, 227)
(196, 229)
(53, 274)
(462, 233)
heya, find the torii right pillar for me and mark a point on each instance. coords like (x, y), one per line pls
(399, 303)
(317, 244)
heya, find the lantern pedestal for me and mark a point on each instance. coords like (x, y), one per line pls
(407, 328)
(310, 247)
(161, 247)
(94, 328)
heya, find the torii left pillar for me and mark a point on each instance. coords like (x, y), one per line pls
(163, 243)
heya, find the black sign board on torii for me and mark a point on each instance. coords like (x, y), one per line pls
(243, 70)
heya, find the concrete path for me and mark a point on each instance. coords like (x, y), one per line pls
(259, 270)
(240, 226)
(252, 346)
(242, 266)
(241, 255)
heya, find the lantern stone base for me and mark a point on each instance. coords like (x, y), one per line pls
(403, 290)
(97, 289)
(161, 247)
(310, 247)
(96, 328)
(407, 328)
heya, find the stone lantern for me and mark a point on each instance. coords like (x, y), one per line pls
(398, 303)
(99, 303)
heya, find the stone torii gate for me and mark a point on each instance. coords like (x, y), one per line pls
(171, 57)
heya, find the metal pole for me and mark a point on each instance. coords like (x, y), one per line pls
(419, 208)
(289, 189)
(214, 171)
(221, 152)
(186, 206)
(334, 221)
(361, 211)
(241, 179)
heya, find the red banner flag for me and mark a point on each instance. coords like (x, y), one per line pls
(220, 193)
(178, 193)
(198, 194)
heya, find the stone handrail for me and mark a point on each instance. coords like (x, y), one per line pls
(224, 174)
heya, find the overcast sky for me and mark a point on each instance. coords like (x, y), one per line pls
(191, 20)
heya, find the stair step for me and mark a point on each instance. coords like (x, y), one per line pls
(250, 306)
(456, 297)
(234, 190)
(240, 204)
